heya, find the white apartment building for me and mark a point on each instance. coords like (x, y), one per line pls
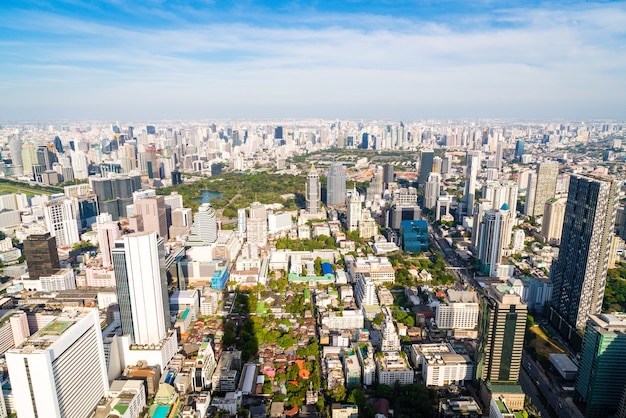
(61, 221)
(365, 291)
(441, 366)
(459, 311)
(61, 280)
(13, 330)
(392, 366)
(343, 320)
(378, 268)
(365, 354)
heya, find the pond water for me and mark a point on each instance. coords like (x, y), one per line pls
(208, 195)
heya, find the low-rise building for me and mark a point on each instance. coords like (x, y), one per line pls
(393, 367)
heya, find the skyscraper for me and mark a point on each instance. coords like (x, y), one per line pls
(473, 166)
(431, 191)
(502, 323)
(426, 165)
(579, 273)
(108, 233)
(354, 203)
(204, 230)
(541, 188)
(138, 262)
(336, 185)
(313, 191)
(42, 257)
(61, 221)
(154, 215)
(60, 371)
(494, 233)
(552, 224)
(602, 367)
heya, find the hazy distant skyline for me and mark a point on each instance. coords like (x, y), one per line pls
(113, 59)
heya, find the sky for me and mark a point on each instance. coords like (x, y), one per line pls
(353, 59)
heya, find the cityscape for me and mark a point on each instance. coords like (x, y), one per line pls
(313, 268)
(252, 209)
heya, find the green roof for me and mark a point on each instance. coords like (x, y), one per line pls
(121, 408)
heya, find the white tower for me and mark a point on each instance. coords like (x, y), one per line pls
(60, 371)
(141, 283)
(61, 221)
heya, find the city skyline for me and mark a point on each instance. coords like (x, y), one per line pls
(401, 60)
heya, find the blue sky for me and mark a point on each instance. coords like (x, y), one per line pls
(410, 60)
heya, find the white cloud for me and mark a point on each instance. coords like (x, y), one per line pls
(550, 62)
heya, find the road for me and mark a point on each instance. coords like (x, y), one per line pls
(529, 388)
(555, 397)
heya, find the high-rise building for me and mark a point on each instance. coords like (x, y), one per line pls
(354, 205)
(519, 148)
(431, 191)
(388, 174)
(336, 185)
(241, 222)
(602, 366)
(204, 230)
(501, 328)
(42, 257)
(579, 273)
(108, 233)
(313, 191)
(426, 165)
(29, 157)
(473, 166)
(61, 221)
(138, 262)
(154, 215)
(541, 188)
(494, 234)
(60, 371)
(552, 224)
(498, 156)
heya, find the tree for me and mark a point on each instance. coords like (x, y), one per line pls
(318, 266)
(338, 393)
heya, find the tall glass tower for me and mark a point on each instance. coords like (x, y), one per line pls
(336, 185)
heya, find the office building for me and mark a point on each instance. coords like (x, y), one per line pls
(602, 366)
(40, 251)
(336, 185)
(153, 214)
(493, 233)
(60, 371)
(426, 166)
(204, 230)
(501, 330)
(61, 221)
(138, 262)
(579, 273)
(313, 192)
(472, 169)
(541, 188)
(414, 236)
